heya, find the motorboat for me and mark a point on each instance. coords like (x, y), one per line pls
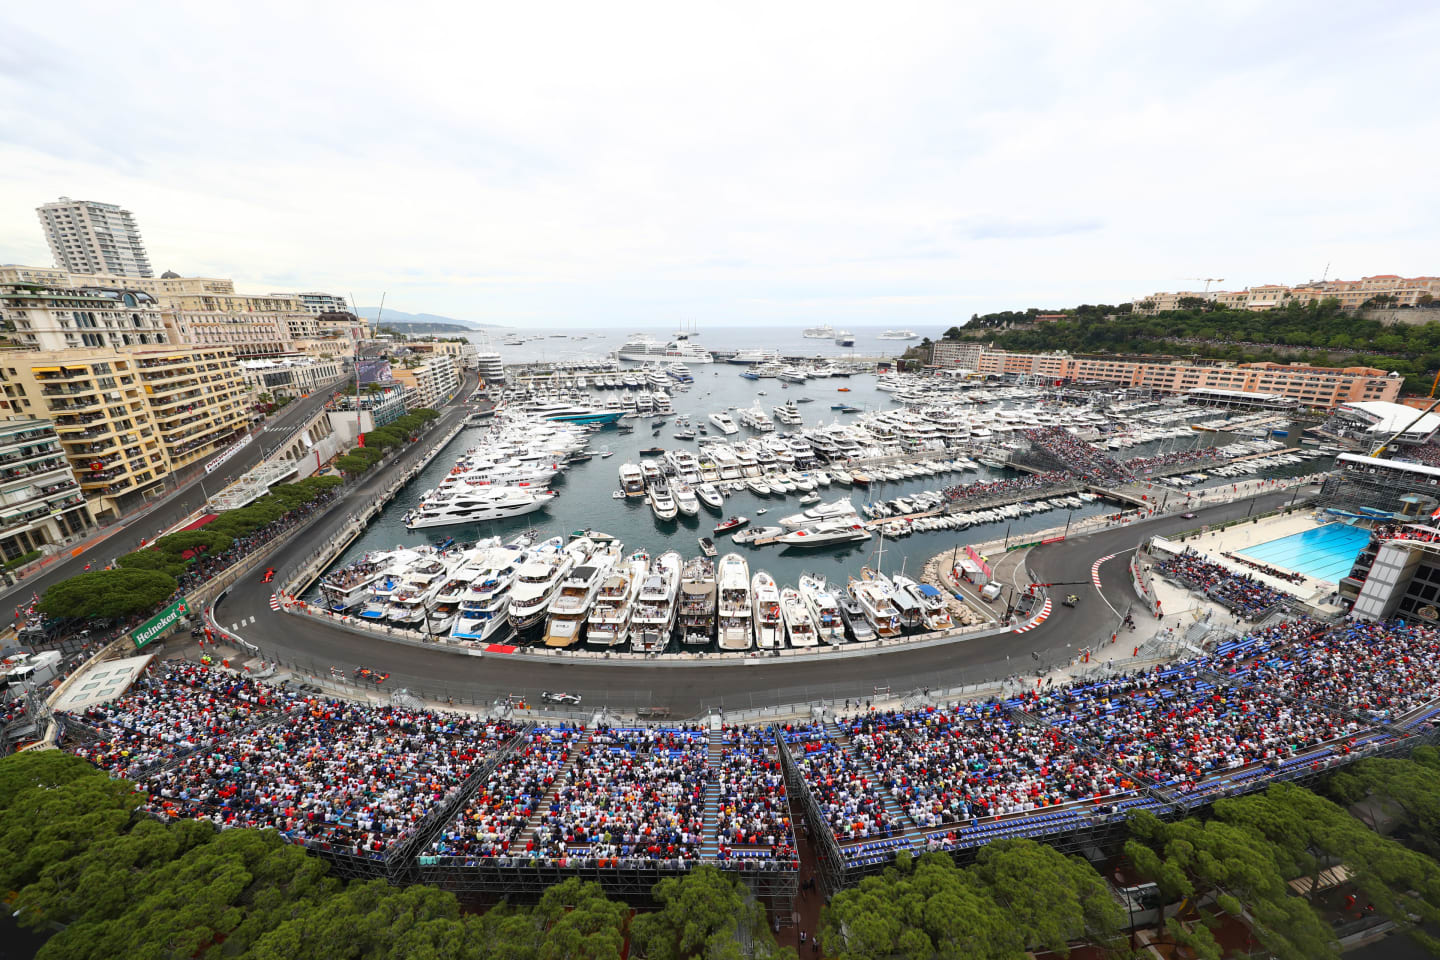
(856, 626)
(826, 533)
(730, 524)
(824, 610)
(484, 605)
(757, 486)
(934, 611)
(661, 502)
(798, 622)
(653, 618)
(876, 602)
(685, 499)
(732, 577)
(632, 480)
(835, 509)
(724, 422)
(710, 496)
(707, 547)
(756, 533)
(571, 603)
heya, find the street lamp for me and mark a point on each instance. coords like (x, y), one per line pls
(1067, 524)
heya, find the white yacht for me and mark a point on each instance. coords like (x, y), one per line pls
(723, 422)
(769, 625)
(484, 605)
(536, 582)
(754, 356)
(710, 496)
(823, 607)
(697, 602)
(934, 612)
(733, 579)
(661, 502)
(653, 619)
(834, 510)
(351, 585)
(878, 605)
(571, 603)
(477, 506)
(798, 623)
(609, 622)
(685, 500)
(632, 481)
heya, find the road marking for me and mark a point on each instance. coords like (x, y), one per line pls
(274, 603)
(1044, 615)
(1095, 579)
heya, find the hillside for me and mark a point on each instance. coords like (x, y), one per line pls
(400, 316)
(1319, 333)
(412, 328)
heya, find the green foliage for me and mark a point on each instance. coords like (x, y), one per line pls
(368, 454)
(352, 466)
(1405, 791)
(1052, 899)
(706, 913)
(934, 910)
(121, 592)
(1192, 860)
(151, 560)
(23, 559)
(1206, 329)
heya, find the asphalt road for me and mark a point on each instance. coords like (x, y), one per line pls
(686, 690)
(179, 505)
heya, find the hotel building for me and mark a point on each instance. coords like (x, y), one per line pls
(60, 318)
(428, 383)
(89, 237)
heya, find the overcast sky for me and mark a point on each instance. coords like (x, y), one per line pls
(628, 165)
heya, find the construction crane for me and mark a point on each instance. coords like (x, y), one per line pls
(1208, 281)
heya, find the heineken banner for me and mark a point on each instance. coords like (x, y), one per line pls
(157, 625)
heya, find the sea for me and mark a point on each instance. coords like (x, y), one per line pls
(585, 489)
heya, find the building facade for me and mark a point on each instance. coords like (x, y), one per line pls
(290, 376)
(316, 303)
(59, 318)
(433, 381)
(1381, 289)
(198, 398)
(97, 404)
(40, 500)
(89, 237)
(964, 354)
(1320, 387)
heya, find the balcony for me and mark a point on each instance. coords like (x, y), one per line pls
(70, 424)
(26, 473)
(22, 457)
(69, 391)
(78, 403)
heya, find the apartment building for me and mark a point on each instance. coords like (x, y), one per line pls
(1352, 294)
(290, 376)
(964, 354)
(90, 237)
(197, 397)
(463, 352)
(316, 303)
(97, 405)
(433, 381)
(1321, 387)
(62, 318)
(40, 500)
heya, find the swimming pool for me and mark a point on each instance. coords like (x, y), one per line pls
(1325, 553)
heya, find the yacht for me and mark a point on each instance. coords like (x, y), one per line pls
(833, 510)
(654, 616)
(572, 601)
(824, 610)
(685, 500)
(732, 577)
(609, 622)
(351, 585)
(724, 423)
(844, 338)
(823, 332)
(572, 413)
(410, 600)
(899, 335)
(710, 496)
(797, 619)
(661, 501)
(476, 506)
(789, 414)
(769, 625)
(485, 603)
(856, 625)
(934, 612)
(641, 348)
(754, 356)
(697, 602)
(878, 606)
(537, 580)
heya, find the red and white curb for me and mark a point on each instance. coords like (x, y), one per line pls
(1044, 615)
(1095, 568)
(274, 602)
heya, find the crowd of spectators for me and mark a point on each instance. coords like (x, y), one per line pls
(1139, 466)
(1289, 576)
(1405, 531)
(632, 792)
(995, 488)
(1245, 596)
(849, 797)
(753, 809)
(1085, 459)
(206, 567)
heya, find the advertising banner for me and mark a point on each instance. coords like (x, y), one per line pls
(158, 624)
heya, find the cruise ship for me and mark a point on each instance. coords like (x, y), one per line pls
(754, 355)
(641, 348)
(844, 338)
(823, 332)
(899, 335)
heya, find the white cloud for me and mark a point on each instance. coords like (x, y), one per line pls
(624, 164)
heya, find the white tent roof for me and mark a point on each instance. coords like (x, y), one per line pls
(1390, 417)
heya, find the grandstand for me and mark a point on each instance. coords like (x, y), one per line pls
(487, 806)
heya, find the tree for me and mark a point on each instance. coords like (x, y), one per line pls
(351, 465)
(375, 921)
(705, 913)
(1240, 871)
(579, 923)
(921, 910)
(121, 592)
(952, 334)
(1052, 899)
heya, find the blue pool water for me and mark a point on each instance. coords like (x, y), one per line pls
(1325, 553)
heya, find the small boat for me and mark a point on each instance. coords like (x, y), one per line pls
(607, 452)
(842, 389)
(707, 547)
(761, 512)
(617, 495)
(710, 496)
(805, 400)
(732, 523)
(625, 427)
(756, 533)
(581, 457)
(595, 535)
(684, 434)
(652, 451)
(811, 497)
